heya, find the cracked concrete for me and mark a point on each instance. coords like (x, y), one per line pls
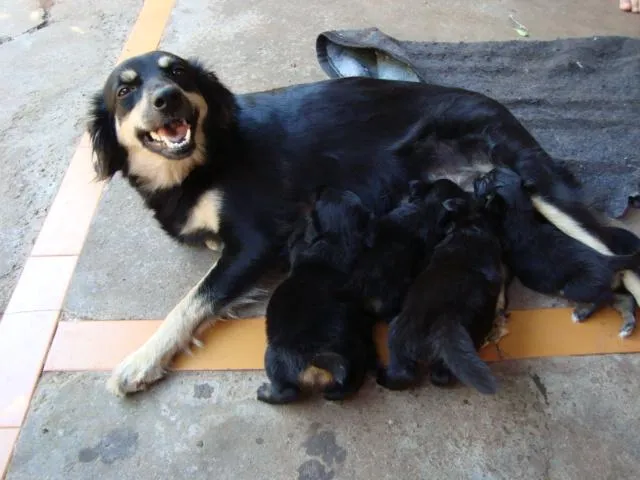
(554, 418)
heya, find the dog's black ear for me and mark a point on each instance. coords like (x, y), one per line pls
(220, 100)
(110, 155)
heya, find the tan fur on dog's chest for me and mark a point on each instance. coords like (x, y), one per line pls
(205, 214)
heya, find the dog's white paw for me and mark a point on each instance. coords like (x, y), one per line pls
(135, 373)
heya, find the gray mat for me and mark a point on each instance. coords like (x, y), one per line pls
(580, 97)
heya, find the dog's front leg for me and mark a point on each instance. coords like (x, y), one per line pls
(234, 273)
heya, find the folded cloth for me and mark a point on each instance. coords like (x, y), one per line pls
(580, 97)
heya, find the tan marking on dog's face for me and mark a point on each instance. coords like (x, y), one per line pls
(164, 61)
(205, 214)
(128, 76)
(154, 170)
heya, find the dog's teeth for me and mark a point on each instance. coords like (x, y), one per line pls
(155, 136)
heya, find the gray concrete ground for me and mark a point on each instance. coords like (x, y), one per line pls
(553, 419)
(545, 423)
(53, 55)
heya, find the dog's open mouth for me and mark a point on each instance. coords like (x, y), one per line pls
(174, 139)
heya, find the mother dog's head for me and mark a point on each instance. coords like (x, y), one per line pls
(155, 118)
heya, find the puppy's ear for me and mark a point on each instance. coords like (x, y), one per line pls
(370, 231)
(455, 205)
(418, 189)
(528, 186)
(110, 155)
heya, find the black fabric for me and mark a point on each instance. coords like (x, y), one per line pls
(580, 97)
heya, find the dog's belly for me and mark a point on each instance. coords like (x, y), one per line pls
(461, 168)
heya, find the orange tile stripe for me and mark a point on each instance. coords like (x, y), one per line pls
(31, 317)
(8, 437)
(240, 344)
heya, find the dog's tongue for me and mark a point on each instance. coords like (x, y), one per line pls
(175, 131)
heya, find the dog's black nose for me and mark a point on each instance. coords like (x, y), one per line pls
(166, 98)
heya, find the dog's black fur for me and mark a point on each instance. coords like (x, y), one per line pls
(398, 247)
(545, 259)
(253, 159)
(450, 308)
(318, 338)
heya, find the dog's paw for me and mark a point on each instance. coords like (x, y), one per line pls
(135, 373)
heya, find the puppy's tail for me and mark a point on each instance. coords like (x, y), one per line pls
(454, 346)
(326, 368)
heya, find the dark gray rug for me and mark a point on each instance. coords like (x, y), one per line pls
(580, 97)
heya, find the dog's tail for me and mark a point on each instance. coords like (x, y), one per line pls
(576, 225)
(325, 369)
(452, 343)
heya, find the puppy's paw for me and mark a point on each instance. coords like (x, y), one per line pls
(135, 373)
(267, 393)
(626, 330)
(213, 245)
(441, 376)
(579, 315)
(392, 381)
(264, 393)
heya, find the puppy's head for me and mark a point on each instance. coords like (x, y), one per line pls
(148, 119)
(448, 204)
(335, 225)
(502, 189)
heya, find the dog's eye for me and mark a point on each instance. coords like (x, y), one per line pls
(177, 71)
(122, 91)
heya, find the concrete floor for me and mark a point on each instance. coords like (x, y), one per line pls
(559, 418)
(54, 54)
(547, 422)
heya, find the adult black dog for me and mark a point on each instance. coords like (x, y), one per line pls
(214, 166)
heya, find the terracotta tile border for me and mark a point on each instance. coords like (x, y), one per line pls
(240, 344)
(23, 339)
(32, 313)
(8, 437)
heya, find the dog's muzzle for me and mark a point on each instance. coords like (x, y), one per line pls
(169, 120)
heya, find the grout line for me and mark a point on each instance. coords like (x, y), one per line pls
(58, 240)
(93, 345)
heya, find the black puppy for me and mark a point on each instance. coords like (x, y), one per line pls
(450, 308)
(398, 246)
(550, 262)
(316, 338)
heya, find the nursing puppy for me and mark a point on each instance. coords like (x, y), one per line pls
(550, 262)
(398, 246)
(450, 308)
(317, 339)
